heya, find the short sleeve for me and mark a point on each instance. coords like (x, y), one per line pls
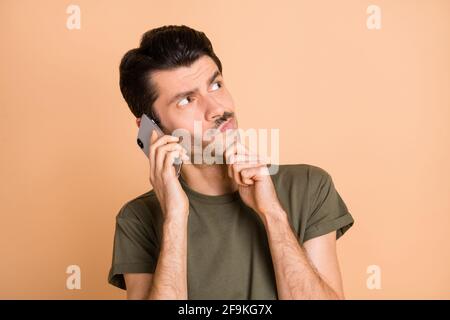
(134, 250)
(328, 210)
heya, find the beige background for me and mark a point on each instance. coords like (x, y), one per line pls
(369, 106)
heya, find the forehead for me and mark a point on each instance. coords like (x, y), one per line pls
(171, 82)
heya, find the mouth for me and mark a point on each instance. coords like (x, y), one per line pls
(229, 124)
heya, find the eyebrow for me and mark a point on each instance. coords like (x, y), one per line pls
(186, 93)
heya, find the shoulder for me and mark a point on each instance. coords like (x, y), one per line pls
(141, 208)
(297, 185)
(300, 175)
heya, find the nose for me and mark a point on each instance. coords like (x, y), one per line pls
(213, 109)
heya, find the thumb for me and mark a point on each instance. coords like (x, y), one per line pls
(153, 136)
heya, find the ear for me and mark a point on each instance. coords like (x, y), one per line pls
(138, 122)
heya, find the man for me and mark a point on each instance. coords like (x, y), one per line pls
(223, 230)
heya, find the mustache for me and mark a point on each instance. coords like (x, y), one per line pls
(226, 115)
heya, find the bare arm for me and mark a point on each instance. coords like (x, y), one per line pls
(308, 272)
(138, 285)
(170, 279)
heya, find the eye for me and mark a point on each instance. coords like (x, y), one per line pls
(184, 101)
(218, 83)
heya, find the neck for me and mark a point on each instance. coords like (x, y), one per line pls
(211, 180)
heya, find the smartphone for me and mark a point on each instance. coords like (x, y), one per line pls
(146, 129)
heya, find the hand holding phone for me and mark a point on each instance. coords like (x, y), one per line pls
(162, 150)
(146, 129)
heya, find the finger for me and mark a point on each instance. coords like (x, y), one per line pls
(254, 173)
(235, 148)
(169, 158)
(234, 168)
(240, 166)
(161, 141)
(239, 149)
(185, 156)
(161, 153)
(230, 171)
(153, 137)
(233, 174)
(158, 141)
(228, 145)
(245, 158)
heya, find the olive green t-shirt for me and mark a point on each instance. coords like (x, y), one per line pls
(228, 255)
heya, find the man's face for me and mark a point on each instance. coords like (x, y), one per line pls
(195, 93)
